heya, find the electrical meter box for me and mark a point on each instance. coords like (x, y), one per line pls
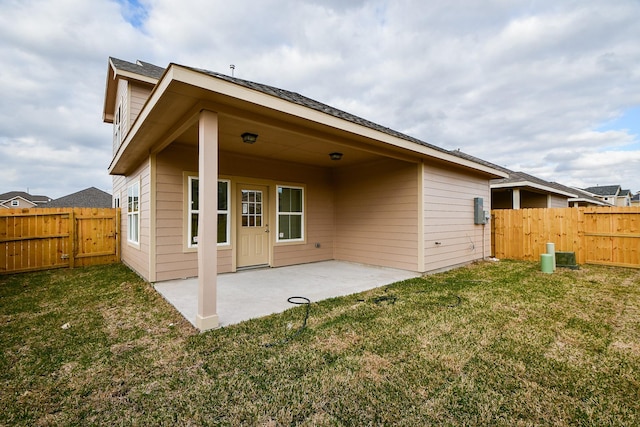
(478, 211)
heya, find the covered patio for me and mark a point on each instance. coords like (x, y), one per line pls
(259, 292)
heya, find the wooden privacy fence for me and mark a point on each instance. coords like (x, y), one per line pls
(603, 235)
(44, 238)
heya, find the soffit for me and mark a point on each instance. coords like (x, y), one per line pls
(285, 131)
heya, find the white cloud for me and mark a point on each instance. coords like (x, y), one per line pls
(522, 84)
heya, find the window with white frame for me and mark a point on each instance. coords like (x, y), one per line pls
(223, 219)
(133, 213)
(290, 214)
(116, 200)
(15, 203)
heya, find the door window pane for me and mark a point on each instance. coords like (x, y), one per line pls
(251, 208)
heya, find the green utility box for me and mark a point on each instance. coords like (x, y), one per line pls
(566, 260)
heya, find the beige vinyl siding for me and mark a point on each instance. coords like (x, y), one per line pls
(450, 235)
(136, 256)
(132, 98)
(377, 214)
(558, 202)
(138, 95)
(319, 210)
(21, 204)
(172, 261)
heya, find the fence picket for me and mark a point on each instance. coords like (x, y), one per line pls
(44, 238)
(603, 235)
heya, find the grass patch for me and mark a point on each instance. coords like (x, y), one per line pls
(489, 344)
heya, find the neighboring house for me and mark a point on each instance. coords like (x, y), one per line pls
(611, 194)
(218, 174)
(584, 198)
(21, 199)
(88, 198)
(520, 190)
(635, 200)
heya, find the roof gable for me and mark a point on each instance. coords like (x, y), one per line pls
(24, 195)
(140, 67)
(604, 190)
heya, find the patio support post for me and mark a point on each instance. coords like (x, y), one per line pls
(207, 317)
(516, 199)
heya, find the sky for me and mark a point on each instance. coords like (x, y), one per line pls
(550, 88)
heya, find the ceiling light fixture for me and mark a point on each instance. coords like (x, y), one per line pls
(335, 156)
(249, 138)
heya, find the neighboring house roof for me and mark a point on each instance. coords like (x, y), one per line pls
(522, 179)
(624, 193)
(88, 198)
(23, 195)
(178, 75)
(604, 190)
(583, 196)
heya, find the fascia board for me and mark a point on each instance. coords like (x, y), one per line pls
(207, 82)
(113, 75)
(584, 199)
(532, 185)
(156, 94)
(223, 87)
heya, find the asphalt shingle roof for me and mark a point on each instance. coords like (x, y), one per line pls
(603, 190)
(156, 72)
(88, 198)
(299, 99)
(516, 177)
(33, 198)
(140, 67)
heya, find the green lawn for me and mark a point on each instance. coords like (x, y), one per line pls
(490, 344)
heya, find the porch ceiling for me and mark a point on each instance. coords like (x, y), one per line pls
(173, 117)
(286, 131)
(279, 143)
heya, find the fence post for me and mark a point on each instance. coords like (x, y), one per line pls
(72, 237)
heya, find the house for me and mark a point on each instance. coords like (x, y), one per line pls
(88, 198)
(584, 198)
(519, 190)
(635, 200)
(216, 174)
(21, 199)
(611, 194)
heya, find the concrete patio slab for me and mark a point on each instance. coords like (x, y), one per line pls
(255, 293)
